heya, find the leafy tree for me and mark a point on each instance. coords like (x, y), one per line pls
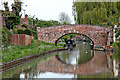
(35, 22)
(116, 46)
(25, 25)
(96, 13)
(64, 18)
(12, 19)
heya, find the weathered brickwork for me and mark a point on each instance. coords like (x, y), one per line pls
(21, 39)
(96, 33)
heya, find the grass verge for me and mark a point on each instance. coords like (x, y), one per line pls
(13, 52)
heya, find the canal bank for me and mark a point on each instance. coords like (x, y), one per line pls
(50, 65)
(14, 52)
(26, 59)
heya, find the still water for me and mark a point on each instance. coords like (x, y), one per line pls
(80, 54)
(81, 62)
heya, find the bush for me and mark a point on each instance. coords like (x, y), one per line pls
(35, 34)
(6, 35)
(15, 31)
(28, 32)
(25, 25)
(32, 41)
(20, 31)
(117, 34)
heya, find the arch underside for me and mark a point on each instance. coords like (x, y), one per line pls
(72, 33)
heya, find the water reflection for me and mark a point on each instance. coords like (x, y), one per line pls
(80, 54)
(51, 67)
(48, 75)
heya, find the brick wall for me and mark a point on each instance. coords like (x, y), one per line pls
(21, 39)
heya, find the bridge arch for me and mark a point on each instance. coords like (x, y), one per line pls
(73, 33)
(97, 34)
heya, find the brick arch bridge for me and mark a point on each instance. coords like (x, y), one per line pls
(73, 33)
(97, 34)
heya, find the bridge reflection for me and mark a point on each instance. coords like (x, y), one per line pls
(97, 64)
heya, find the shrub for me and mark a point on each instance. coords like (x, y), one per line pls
(25, 25)
(15, 31)
(35, 34)
(6, 35)
(117, 34)
(32, 41)
(20, 31)
(28, 32)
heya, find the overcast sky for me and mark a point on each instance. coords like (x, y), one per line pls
(47, 9)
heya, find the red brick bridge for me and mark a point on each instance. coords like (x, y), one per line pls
(97, 64)
(97, 34)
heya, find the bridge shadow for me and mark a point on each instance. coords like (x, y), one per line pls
(98, 64)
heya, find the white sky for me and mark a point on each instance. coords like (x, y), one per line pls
(46, 9)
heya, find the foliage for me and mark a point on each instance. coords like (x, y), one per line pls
(20, 31)
(117, 30)
(25, 25)
(14, 52)
(64, 18)
(28, 32)
(35, 22)
(33, 63)
(12, 19)
(116, 46)
(15, 31)
(35, 34)
(6, 35)
(116, 55)
(6, 6)
(96, 13)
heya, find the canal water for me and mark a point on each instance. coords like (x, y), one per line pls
(81, 62)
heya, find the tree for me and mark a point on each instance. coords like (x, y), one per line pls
(64, 18)
(96, 13)
(12, 19)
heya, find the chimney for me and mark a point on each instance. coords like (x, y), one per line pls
(26, 19)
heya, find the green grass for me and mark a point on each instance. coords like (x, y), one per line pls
(97, 75)
(13, 52)
(16, 71)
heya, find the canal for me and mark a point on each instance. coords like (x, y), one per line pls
(81, 62)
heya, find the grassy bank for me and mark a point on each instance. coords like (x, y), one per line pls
(13, 52)
(97, 75)
(14, 73)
